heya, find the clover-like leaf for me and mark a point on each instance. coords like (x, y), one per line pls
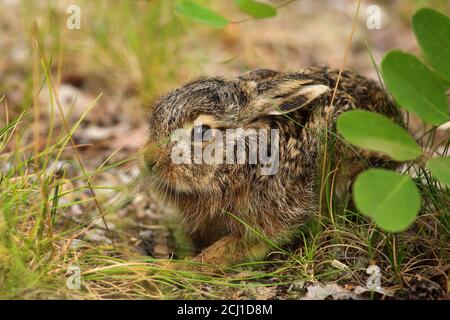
(415, 87)
(372, 131)
(432, 30)
(440, 168)
(256, 9)
(198, 13)
(392, 200)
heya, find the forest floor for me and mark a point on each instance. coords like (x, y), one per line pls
(103, 79)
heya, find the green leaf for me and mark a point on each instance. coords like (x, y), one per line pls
(432, 30)
(415, 87)
(440, 168)
(256, 9)
(198, 13)
(392, 200)
(372, 131)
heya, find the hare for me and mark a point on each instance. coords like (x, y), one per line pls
(228, 206)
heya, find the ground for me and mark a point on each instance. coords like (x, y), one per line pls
(91, 218)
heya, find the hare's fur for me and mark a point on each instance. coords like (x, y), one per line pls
(269, 205)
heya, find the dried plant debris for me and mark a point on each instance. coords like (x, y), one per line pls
(336, 292)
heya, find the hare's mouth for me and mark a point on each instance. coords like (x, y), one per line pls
(163, 188)
(167, 182)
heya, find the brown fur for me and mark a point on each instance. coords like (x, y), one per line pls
(206, 194)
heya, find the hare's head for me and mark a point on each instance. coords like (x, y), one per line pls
(203, 135)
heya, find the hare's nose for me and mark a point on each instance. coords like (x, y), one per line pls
(151, 154)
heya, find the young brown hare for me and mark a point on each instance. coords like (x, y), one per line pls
(228, 205)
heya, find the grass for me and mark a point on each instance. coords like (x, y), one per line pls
(36, 250)
(42, 242)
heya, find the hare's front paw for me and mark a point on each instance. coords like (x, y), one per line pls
(231, 250)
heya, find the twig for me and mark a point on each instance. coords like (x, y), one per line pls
(344, 62)
(72, 141)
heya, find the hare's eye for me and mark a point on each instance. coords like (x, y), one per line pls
(202, 132)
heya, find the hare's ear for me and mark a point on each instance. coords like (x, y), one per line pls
(292, 100)
(258, 74)
(286, 97)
